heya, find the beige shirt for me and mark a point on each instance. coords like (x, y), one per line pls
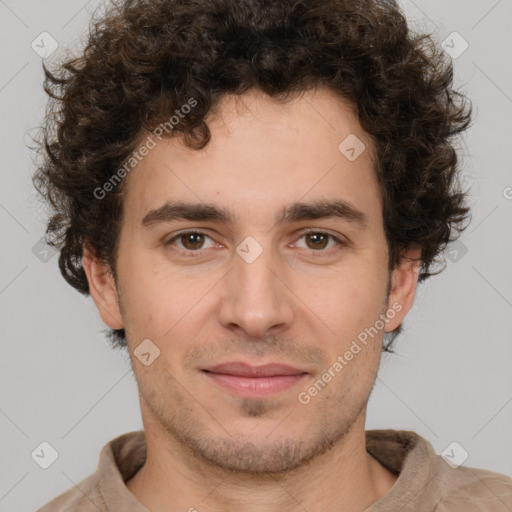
(426, 481)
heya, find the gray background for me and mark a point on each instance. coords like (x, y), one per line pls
(60, 381)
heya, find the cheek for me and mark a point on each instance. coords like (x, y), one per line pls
(346, 302)
(147, 298)
(163, 305)
(155, 308)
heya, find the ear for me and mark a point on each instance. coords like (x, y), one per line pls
(404, 281)
(103, 289)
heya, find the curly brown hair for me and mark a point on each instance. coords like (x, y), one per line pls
(144, 59)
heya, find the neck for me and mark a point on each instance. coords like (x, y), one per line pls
(345, 478)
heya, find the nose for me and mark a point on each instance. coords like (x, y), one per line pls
(256, 298)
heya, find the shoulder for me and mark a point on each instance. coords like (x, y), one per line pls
(83, 496)
(105, 489)
(476, 490)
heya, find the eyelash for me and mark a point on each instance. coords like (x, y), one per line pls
(190, 253)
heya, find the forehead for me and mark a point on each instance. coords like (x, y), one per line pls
(263, 155)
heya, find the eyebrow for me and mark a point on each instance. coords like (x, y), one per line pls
(295, 212)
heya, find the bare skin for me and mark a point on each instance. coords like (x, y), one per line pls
(301, 302)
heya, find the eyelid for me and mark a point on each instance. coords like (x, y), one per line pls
(323, 231)
(186, 232)
(339, 239)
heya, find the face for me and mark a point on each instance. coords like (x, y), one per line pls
(253, 268)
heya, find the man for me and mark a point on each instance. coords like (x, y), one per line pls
(250, 191)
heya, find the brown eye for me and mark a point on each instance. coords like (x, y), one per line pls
(189, 242)
(192, 241)
(317, 240)
(320, 242)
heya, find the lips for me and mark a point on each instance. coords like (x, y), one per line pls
(245, 370)
(254, 381)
